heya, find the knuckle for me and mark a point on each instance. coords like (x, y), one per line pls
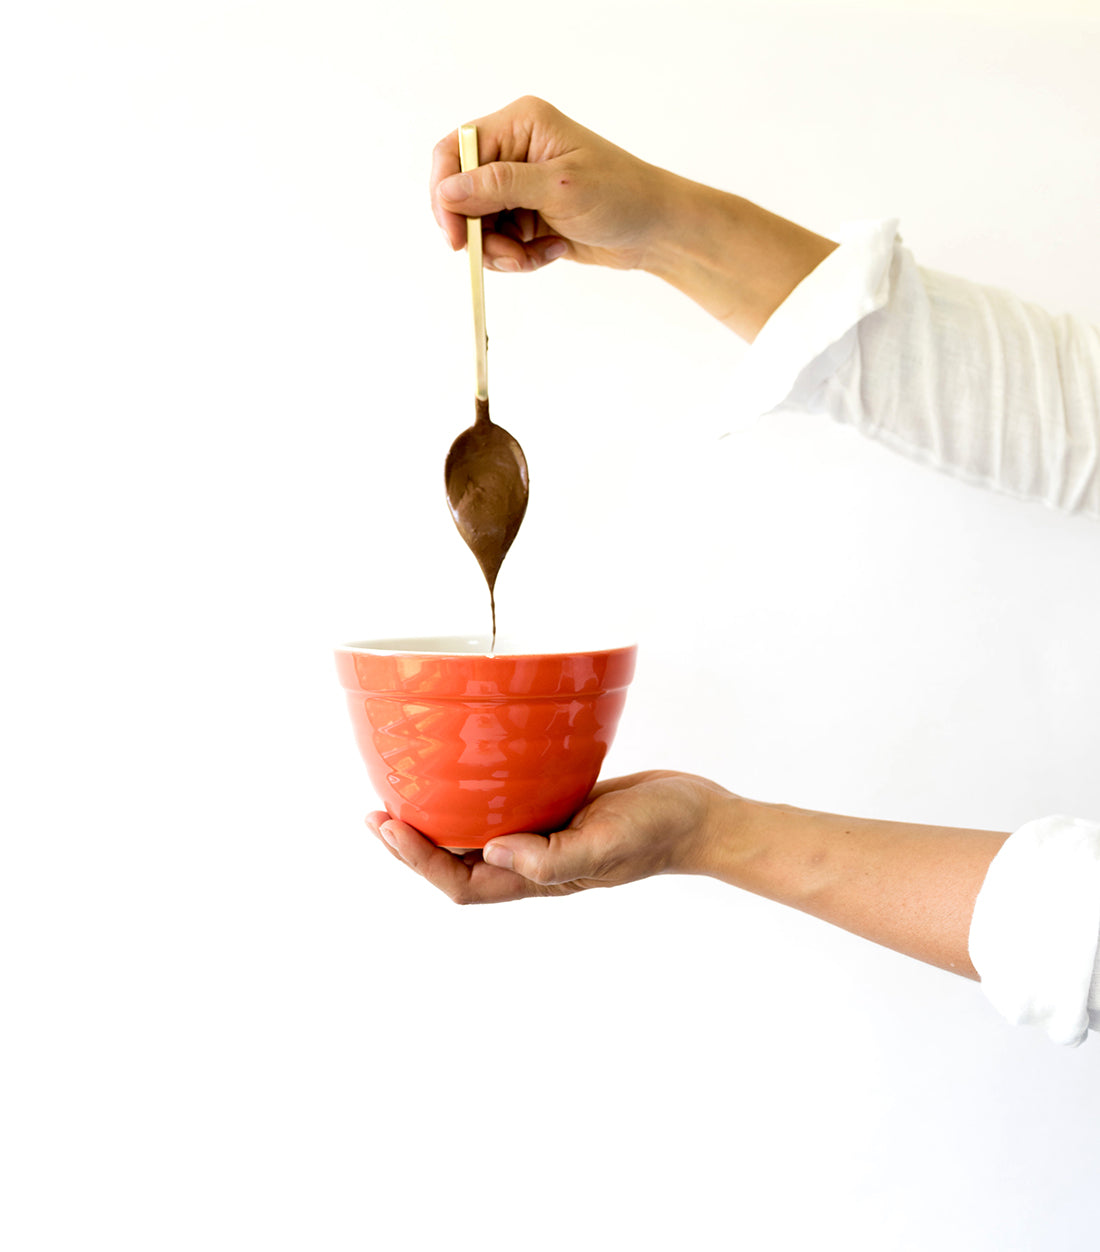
(499, 179)
(535, 105)
(542, 874)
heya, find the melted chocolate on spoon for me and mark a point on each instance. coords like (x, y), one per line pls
(486, 477)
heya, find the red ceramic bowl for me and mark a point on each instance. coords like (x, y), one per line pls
(465, 746)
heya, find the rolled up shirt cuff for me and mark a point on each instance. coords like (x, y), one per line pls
(1036, 928)
(812, 333)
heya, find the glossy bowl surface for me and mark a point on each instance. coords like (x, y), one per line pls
(466, 746)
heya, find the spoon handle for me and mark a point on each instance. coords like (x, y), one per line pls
(467, 151)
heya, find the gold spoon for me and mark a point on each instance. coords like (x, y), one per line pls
(486, 471)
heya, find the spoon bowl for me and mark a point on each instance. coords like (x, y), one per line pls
(487, 489)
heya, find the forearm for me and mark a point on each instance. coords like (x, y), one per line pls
(736, 260)
(907, 887)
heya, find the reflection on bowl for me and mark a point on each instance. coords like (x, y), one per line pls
(466, 746)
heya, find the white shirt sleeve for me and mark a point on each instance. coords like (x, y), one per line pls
(1036, 928)
(977, 383)
(966, 378)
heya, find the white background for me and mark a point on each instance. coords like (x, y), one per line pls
(235, 350)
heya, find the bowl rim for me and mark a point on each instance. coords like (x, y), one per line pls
(477, 646)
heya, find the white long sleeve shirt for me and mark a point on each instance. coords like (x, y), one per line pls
(988, 388)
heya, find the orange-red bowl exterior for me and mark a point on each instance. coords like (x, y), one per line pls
(465, 746)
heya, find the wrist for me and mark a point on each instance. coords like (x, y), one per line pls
(772, 850)
(733, 837)
(694, 228)
(735, 259)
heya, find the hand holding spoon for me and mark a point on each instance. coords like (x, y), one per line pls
(486, 471)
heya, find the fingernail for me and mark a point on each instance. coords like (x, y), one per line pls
(457, 187)
(502, 858)
(556, 250)
(387, 832)
(507, 265)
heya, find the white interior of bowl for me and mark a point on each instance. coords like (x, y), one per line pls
(479, 645)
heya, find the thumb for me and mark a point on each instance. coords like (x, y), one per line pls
(558, 859)
(496, 187)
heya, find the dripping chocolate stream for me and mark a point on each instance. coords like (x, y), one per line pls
(487, 487)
